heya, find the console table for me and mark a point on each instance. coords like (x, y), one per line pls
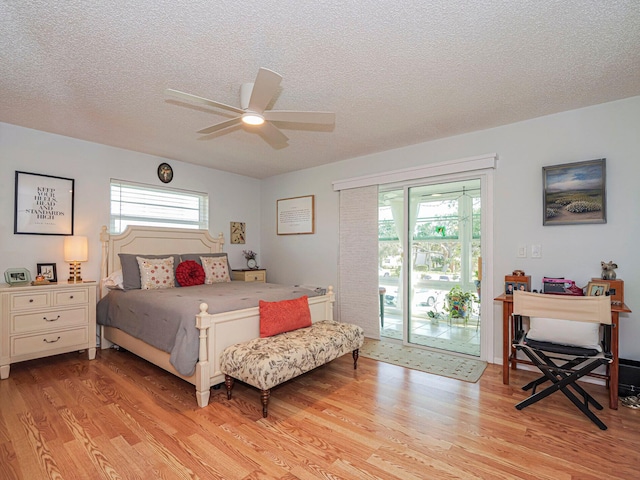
(509, 353)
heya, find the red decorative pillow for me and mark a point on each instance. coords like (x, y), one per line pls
(189, 273)
(284, 316)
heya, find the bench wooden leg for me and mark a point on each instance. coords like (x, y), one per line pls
(228, 381)
(264, 397)
(356, 354)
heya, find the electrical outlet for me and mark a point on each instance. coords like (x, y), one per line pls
(522, 251)
(536, 251)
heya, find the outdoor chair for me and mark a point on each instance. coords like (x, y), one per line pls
(568, 338)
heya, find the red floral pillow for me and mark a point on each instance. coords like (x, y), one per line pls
(284, 316)
(189, 273)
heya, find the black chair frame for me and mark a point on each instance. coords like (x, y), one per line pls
(563, 376)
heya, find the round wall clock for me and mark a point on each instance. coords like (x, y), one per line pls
(165, 172)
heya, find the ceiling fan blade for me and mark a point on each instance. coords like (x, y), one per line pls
(321, 118)
(220, 126)
(272, 135)
(203, 101)
(264, 88)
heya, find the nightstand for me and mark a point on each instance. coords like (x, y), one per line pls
(39, 321)
(247, 275)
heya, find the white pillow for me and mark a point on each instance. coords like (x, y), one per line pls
(156, 273)
(114, 281)
(216, 269)
(565, 332)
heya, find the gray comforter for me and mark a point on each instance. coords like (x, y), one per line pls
(166, 318)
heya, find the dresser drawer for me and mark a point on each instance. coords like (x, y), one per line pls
(28, 301)
(48, 320)
(249, 275)
(46, 342)
(254, 276)
(71, 297)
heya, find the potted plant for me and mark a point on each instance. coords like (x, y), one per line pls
(458, 302)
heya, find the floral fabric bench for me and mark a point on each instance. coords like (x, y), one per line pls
(267, 362)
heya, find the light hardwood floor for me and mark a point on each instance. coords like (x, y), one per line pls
(65, 417)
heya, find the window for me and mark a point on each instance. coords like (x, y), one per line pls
(137, 204)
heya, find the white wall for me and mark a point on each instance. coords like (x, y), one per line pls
(609, 130)
(231, 197)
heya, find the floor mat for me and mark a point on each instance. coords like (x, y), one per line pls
(437, 363)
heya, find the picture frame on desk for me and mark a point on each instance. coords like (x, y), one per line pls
(595, 289)
(509, 288)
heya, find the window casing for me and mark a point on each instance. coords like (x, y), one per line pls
(148, 205)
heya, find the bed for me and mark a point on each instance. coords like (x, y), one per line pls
(215, 331)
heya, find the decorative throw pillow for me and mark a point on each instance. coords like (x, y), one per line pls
(156, 273)
(284, 316)
(565, 332)
(189, 273)
(197, 257)
(131, 271)
(216, 269)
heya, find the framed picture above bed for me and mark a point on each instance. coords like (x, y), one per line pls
(43, 204)
(295, 216)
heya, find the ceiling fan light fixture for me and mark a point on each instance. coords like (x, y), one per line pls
(252, 118)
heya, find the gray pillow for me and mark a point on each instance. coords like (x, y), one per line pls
(131, 271)
(196, 258)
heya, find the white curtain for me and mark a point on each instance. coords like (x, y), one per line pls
(358, 296)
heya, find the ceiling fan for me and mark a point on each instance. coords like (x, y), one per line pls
(254, 98)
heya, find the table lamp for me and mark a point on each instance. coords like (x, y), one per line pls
(76, 250)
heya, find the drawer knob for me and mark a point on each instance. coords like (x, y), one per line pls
(70, 296)
(51, 319)
(50, 341)
(31, 300)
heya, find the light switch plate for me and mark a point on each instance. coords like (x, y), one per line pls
(536, 251)
(522, 251)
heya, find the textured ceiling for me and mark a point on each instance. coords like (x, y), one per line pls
(395, 72)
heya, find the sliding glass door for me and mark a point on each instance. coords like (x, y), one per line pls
(430, 267)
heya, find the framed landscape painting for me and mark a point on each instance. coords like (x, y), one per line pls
(575, 193)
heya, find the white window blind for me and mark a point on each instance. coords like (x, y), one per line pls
(358, 265)
(137, 204)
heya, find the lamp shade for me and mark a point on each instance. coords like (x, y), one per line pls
(76, 249)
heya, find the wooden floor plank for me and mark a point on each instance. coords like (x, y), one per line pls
(120, 417)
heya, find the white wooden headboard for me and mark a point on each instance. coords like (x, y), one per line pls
(154, 240)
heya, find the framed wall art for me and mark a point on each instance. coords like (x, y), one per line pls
(575, 193)
(295, 216)
(48, 271)
(237, 232)
(43, 204)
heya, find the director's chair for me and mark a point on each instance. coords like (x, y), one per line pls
(566, 342)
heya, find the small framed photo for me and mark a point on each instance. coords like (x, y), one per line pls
(17, 276)
(596, 289)
(522, 286)
(509, 287)
(48, 271)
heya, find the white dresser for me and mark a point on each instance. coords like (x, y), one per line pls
(38, 321)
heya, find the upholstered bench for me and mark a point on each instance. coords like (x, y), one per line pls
(270, 361)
